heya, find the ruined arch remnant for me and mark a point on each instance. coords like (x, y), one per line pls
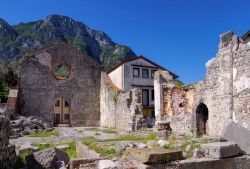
(202, 119)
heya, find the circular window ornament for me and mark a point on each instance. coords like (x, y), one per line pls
(62, 71)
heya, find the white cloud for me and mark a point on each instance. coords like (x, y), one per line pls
(209, 62)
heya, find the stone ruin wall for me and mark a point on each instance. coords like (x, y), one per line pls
(7, 152)
(225, 91)
(178, 107)
(119, 110)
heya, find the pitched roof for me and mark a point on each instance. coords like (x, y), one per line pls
(66, 45)
(245, 35)
(147, 60)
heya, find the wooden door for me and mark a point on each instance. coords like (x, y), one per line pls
(61, 111)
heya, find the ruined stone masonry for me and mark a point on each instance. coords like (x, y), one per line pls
(120, 110)
(208, 106)
(7, 151)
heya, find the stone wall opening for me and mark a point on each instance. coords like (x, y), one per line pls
(202, 119)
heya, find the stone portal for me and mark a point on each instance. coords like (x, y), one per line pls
(202, 119)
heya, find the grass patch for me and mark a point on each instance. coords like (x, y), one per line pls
(44, 134)
(92, 129)
(133, 137)
(21, 162)
(91, 142)
(71, 150)
(110, 131)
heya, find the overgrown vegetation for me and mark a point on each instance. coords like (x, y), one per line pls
(114, 94)
(44, 134)
(8, 78)
(179, 84)
(186, 144)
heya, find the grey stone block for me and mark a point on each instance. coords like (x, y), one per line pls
(154, 155)
(46, 159)
(240, 135)
(221, 149)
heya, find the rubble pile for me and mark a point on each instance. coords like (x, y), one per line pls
(21, 126)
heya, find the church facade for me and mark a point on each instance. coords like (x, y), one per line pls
(61, 85)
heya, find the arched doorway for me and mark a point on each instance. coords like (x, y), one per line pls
(61, 111)
(202, 119)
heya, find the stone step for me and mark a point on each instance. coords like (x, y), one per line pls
(154, 155)
(62, 125)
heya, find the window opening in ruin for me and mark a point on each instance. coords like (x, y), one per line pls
(136, 72)
(62, 71)
(57, 104)
(145, 73)
(66, 104)
(145, 97)
(202, 119)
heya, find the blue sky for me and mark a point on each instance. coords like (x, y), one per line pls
(180, 35)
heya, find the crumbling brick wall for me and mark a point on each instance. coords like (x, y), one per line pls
(120, 110)
(178, 108)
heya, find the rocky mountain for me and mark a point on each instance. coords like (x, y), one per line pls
(16, 40)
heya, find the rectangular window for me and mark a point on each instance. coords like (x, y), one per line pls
(152, 95)
(145, 73)
(145, 97)
(153, 73)
(66, 116)
(136, 72)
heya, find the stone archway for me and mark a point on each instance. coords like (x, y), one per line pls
(202, 119)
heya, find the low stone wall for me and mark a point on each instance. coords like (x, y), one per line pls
(242, 162)
(119, 110)
(7, 151)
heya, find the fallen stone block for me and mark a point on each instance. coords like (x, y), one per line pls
(27, 147)
(197, 153)
(83, 163)
(238, 134)
(221, 149)
(154, 155)
(107, 164)
(46, 159)
(125, 145)
(162, 143)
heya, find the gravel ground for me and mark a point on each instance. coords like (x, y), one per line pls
(64, 134)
